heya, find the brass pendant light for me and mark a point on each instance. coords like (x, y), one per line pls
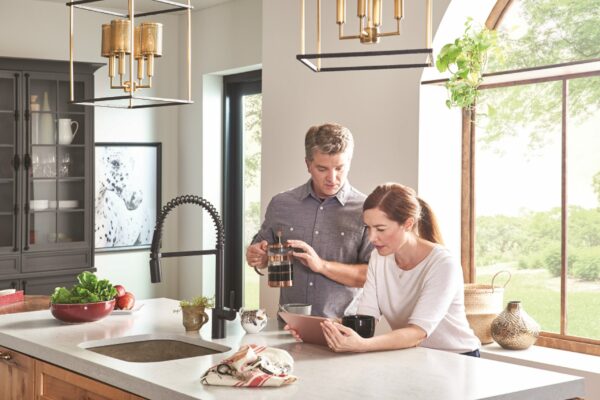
(370, 25)
(122, 45)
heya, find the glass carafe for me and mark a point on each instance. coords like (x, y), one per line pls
(280, 263)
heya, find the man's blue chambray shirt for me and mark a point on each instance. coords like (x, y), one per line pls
(335, 230)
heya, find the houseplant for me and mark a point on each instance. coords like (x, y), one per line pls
(194, 314)
(465, 59)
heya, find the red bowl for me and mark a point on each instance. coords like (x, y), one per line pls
(83, 312)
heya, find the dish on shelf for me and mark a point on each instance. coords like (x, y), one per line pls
(37, 205)
(7, 291)
(62, 237)
(68, 204)
(134, 309)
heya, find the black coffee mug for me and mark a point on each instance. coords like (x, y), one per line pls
(364, 325)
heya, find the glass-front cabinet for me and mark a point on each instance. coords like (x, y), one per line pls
(55, 178)
(9, 151)
(46, 164)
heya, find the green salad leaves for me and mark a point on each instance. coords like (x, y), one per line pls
(88, 290)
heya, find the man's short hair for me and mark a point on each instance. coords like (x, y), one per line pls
(329, 138)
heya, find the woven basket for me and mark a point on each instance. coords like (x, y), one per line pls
(482, 326)
(482, 304)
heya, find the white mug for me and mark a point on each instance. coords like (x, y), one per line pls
(65, 132)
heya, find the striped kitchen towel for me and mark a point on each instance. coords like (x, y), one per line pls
(252, 366)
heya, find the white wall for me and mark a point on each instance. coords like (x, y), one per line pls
(381, 108)
(226, 39)
(40, 30)
(440, 138)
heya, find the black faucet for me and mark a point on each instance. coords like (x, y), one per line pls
(220, 313)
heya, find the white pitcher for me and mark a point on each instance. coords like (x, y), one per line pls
(65, 130)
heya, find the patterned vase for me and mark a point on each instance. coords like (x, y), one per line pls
(514, 329)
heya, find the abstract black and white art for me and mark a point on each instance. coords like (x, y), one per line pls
(127, 194)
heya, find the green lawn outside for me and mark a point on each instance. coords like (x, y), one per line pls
(540, 297)
(251, 294)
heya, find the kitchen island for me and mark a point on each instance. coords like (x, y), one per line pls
(416, 373)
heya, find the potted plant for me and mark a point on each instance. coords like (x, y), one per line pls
(194, 314)
(465, 59)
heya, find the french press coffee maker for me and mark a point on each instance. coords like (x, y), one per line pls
(280, 264)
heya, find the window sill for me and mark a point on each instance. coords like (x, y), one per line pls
(567, 362)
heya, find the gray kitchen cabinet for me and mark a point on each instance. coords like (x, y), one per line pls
(40, 285)
(46, 174)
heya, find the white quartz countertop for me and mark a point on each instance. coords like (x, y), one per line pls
(417, 373)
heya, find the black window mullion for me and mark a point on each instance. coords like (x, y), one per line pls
(235, 88)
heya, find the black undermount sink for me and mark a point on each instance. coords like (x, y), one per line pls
(154, 348)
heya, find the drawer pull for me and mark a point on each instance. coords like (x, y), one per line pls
(7, 358)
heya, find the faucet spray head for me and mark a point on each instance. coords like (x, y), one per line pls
(155, 273)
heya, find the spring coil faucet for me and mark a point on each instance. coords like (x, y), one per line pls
(220, 313)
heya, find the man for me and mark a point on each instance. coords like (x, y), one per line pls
(322, 221)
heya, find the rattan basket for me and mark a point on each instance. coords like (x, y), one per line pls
(483, 303)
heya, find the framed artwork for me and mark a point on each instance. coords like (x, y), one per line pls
(126, 195)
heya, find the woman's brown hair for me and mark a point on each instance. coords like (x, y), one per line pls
(400, 203)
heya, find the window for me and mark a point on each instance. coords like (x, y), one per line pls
(242, 147)
(534, 170)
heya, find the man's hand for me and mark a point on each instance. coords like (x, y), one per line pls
(256, 254)
(308, 256)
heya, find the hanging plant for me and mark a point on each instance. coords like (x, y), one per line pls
(465, 59)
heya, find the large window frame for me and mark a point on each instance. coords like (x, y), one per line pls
(561, 72)
(235, 88)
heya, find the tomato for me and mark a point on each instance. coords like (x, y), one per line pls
(120, 290)
(126, 302)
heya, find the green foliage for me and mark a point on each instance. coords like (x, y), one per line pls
(88, 290)
(498, 239)
(587, 264)
(548, 32)
(252, 162)
(253, 133)
(532, 241)
(536, 109)
(201, 301)
(596, 185)
(536, 33)
(465, 59)
(552, 260)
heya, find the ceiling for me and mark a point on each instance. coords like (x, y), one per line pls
(144, 5)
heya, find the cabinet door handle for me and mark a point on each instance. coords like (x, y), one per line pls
(7, 359)
(16, 165)
(16, 226)
(16, 162)
(26, 166)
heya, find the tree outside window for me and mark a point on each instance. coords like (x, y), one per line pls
(524, 197)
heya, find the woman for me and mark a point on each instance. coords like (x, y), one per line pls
(412, 281)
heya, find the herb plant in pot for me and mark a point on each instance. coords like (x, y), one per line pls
(193, 312)
(465, 59)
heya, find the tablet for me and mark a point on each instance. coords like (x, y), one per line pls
(307, 326)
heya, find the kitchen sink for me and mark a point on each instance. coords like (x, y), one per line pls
(154, 347)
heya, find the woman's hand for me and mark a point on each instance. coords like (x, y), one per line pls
(308, 256)
(340, 338)
(293, 332)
